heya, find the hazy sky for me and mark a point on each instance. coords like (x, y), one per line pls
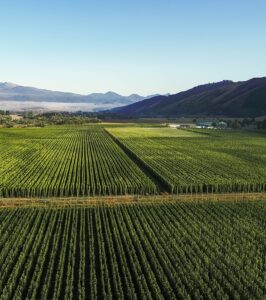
(140, 46)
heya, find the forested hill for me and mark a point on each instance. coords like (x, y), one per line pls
(225, 98)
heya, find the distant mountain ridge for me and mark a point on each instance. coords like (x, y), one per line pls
(13, 92)
(225, 98)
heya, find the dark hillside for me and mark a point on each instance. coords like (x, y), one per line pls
(225, 98)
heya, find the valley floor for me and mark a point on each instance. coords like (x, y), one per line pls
(128, 159)
(119, 211)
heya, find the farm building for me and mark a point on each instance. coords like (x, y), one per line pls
(179, 125)
(204, 124)
(222, 124)
(210, 124)
(173, 125)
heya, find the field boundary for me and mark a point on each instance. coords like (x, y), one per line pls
(161, 184)
(128, 199)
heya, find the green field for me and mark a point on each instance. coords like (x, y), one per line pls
(199, 160)
(204, 250)
(66, 161)
(61, 239)
(121, 159)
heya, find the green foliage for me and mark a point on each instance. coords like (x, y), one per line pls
(30, 119)
(88, 160)
(203, 250)
(66, 161)
(189, 161)
(262, 124)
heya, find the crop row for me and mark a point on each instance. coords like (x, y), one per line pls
(226, 162)
(78, 162)
(152, 251)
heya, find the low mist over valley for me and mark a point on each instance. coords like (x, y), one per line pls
(23, 98)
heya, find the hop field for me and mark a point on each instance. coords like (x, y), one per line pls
(66, 161)
(185, 250)
(101, 160)
(198, 161)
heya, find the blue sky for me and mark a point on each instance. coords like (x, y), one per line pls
(144, 47)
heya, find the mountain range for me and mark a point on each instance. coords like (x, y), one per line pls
(24, 97)
(225, 98)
